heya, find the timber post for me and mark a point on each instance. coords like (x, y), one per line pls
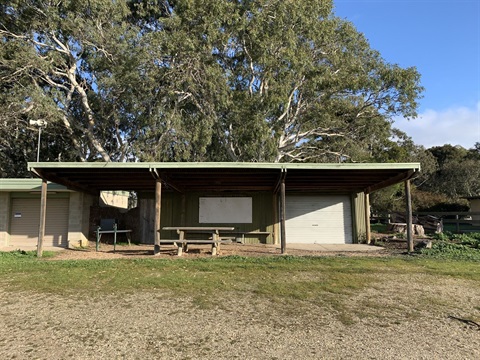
(367, 218)
(408, 198)
(183, 209)
(282, 218)
(158, 210)
(43, 215)
(275, 219)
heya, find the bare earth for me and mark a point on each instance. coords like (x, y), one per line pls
(148, 325)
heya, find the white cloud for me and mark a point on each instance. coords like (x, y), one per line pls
(454, 126)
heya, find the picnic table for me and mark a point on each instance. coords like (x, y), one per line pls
(99, 232)
(182, 243)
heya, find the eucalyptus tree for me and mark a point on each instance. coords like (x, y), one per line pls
(458, 173)
(59, 62)
(197, 80)
(272, 81)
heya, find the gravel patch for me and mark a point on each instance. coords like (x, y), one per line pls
(415, 320)
(147, 325)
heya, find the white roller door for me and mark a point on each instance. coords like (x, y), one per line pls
(325, 219)
(25, 219)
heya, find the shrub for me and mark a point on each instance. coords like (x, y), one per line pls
(455, 246)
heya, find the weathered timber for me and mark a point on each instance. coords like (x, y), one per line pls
(43, 216)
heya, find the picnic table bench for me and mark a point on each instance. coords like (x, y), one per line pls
(182, 243)
(245, 233)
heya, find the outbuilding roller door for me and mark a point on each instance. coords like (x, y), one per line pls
(319, 219)
(25, 219)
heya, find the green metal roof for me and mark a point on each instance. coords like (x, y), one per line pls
(221, 165)
(28, 185)
(222, 176)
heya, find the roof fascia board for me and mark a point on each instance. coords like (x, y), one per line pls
(226, 165)
(354, 166)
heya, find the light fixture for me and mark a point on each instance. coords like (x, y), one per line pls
(41, 124)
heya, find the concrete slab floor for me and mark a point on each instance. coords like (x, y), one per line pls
(333, 247)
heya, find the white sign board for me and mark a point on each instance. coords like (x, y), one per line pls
(225, 210)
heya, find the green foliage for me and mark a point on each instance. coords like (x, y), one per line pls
(455, 246)
(447, 207)
(379, 228)
(23, 255)
(61, 62)
(458, 174)
(195, 80)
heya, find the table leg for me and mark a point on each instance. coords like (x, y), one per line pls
(181, 237)
(114, 237)
(215, 245)
(98, 238)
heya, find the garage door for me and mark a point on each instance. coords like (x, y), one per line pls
(319, 219)
(25, 219)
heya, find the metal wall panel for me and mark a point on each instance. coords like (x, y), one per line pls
(359, 211)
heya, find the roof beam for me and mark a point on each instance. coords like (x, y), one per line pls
(165, 180)
(62, 181)
(392, 181)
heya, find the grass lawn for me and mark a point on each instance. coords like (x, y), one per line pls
(290, 281)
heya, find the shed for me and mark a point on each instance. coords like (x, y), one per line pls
(66, 221)
(474, 202)
(325, 203)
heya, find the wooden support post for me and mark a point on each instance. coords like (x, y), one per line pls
(275, 219)
(282, 218)
(158, 210)
(43, 215)
(367, 218)
(183, 209)
(408, 198)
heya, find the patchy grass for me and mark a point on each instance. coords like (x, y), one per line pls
(284, 276)
(21, 254)
(291, 283)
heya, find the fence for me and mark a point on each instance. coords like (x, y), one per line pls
(459, 222)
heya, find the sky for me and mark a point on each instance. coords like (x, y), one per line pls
(441, 38)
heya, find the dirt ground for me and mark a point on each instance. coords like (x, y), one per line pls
(382, 245)
(149, 325)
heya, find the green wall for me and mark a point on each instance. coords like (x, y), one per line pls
(171, 214)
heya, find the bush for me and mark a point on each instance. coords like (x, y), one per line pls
(446, 207)
(455, 246)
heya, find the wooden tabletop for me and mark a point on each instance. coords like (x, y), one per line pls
(199, 228)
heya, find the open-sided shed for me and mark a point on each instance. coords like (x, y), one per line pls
(285, 202)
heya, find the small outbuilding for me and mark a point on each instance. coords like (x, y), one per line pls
(474, 202)
(66, 221)
(263, 202)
